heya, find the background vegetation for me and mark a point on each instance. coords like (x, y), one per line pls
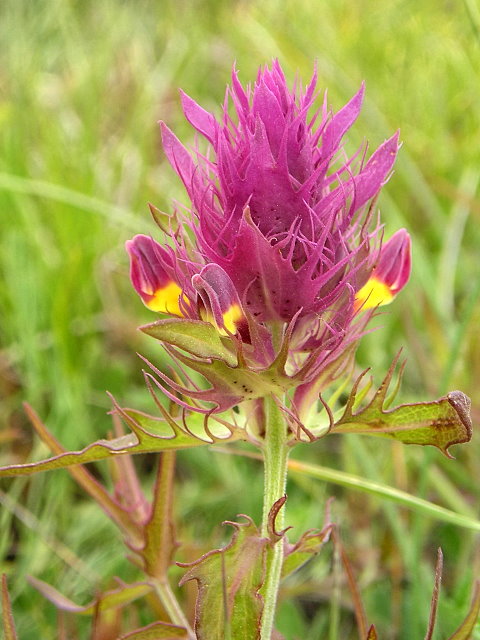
(82, 87)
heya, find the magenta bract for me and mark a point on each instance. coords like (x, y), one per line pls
(277, 233)
(273, 202)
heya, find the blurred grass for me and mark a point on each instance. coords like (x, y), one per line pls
(82, 85)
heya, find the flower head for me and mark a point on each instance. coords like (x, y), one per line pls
(274, 204)
(280, 223)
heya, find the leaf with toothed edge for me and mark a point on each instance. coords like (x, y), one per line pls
(441, 423)
(229, 581)
(310, 543)
(231, 378)
(149, 435)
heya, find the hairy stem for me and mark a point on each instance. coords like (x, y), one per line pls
(275, 456)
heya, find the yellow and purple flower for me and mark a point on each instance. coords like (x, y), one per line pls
(281, 227)
(390, 275)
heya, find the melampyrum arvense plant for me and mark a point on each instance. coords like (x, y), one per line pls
(264, 284)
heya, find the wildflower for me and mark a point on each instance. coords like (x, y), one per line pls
(390, 275)
(151, 274)
(268, 207)
(276, 247)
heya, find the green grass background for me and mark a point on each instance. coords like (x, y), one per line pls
(82, 86)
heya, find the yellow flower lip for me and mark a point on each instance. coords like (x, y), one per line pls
(390, 275)
(166, 300)
(374, 293)
(232, 317)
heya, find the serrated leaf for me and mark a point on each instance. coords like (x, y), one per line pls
(157, 631)
(199, 346)
(465, 630)
(229, 581)
(311, 543)
(125, 594)
(441, 423)
(201, 339)
(149, 435)
(7, 615)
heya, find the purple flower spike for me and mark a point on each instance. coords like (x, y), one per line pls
(390, 275)
(274, 204)
(275, 246)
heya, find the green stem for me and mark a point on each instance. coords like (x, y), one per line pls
(275, 456)
(172, 607)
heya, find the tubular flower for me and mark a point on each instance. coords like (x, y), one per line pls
(151, 275)
(390, 275)
(276, 248)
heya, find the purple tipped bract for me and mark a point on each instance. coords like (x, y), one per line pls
(275, 201)
(277, 239)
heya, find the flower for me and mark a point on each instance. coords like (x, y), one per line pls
(390, 275)
(151, 272)
(277, 240)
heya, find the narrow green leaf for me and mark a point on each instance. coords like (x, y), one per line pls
(201, 339)
(108, 600)
(465, 630)
(228, 582)
(165, 435)
(70, 197)
(86, 480)
(157, 631)
(441, 423)
(7, 615)
(384, 491)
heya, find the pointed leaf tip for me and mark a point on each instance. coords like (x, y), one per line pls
(198, 338)
(272, 517)
(7, 615)
(441, 423)
(372, 633)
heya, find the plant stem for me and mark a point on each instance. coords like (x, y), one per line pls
(275, 456)
(172, 607)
